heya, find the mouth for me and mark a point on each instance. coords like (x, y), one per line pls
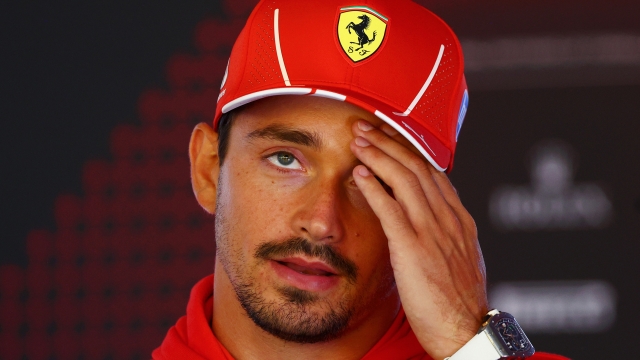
(307, 268)
(312, 276)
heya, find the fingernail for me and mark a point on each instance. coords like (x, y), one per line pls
(362, 142)
(364, 126)
(363, 171)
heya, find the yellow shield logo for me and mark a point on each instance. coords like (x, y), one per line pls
(361, 31)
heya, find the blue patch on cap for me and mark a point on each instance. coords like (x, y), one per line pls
(463, 111)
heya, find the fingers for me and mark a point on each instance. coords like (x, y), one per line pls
(450, 194)
(391, 215)
(470, 240)
(408, 174)
(406, 186)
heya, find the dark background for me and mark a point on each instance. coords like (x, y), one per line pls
(75, 72)
(71, 72)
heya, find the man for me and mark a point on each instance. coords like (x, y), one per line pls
(338, 235)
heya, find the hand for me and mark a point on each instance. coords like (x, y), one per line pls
(433, 242)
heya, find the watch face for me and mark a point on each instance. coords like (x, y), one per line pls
(514, 338)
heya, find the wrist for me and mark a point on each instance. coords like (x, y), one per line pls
(499, 337)
(441, 347)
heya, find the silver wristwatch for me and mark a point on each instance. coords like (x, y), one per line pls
(499, 337)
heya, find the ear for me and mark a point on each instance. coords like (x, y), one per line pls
(205, 165)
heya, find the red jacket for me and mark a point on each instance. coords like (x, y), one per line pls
(192, 338)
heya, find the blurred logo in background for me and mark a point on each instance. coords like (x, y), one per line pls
(552, 201)
(558, 306)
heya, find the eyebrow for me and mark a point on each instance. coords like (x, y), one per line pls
(287, 134)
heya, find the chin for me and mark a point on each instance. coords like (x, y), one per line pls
(296, 315)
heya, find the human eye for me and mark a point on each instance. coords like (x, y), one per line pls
(283, 159)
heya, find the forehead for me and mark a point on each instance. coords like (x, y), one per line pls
(310, 112)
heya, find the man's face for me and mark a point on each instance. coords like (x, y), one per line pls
(303, 250)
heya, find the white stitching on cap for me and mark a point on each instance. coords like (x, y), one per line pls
(263, 94)
(411, 139)
(330, 95)
(226, 74)
(276, 31)
(420, 136)
(222, 94)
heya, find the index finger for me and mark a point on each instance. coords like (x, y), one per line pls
(415, 162)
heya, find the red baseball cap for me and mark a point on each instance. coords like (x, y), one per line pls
(394, 59)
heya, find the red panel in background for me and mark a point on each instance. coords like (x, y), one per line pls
(67, 279)
(68, 211)
(66, 344)
(95, 344)
(124, 143)
(12, 282)
(11, 345)
(125, 344)
(39, 314)
(12, 315)
(117, 271)
(67, 312)
(39, 246)
(39, 345)
(39, 281)
(96, 176)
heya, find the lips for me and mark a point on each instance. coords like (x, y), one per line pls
(307, 268)
(311, 276)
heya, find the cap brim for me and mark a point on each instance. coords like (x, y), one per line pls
(425, 142)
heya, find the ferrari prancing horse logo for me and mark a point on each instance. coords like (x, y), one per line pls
(361, 31)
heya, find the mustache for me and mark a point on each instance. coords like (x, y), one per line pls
(296, 246)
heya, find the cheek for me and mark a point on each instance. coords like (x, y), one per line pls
(255, 205)
(367, 243)
(373, 259)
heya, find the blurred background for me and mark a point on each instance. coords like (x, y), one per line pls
(101, 239)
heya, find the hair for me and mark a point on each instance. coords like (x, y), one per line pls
(224, 129)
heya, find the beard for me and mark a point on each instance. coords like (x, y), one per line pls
(299, 317)
(295, 315)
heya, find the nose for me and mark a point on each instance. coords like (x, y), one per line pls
(319, 216)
